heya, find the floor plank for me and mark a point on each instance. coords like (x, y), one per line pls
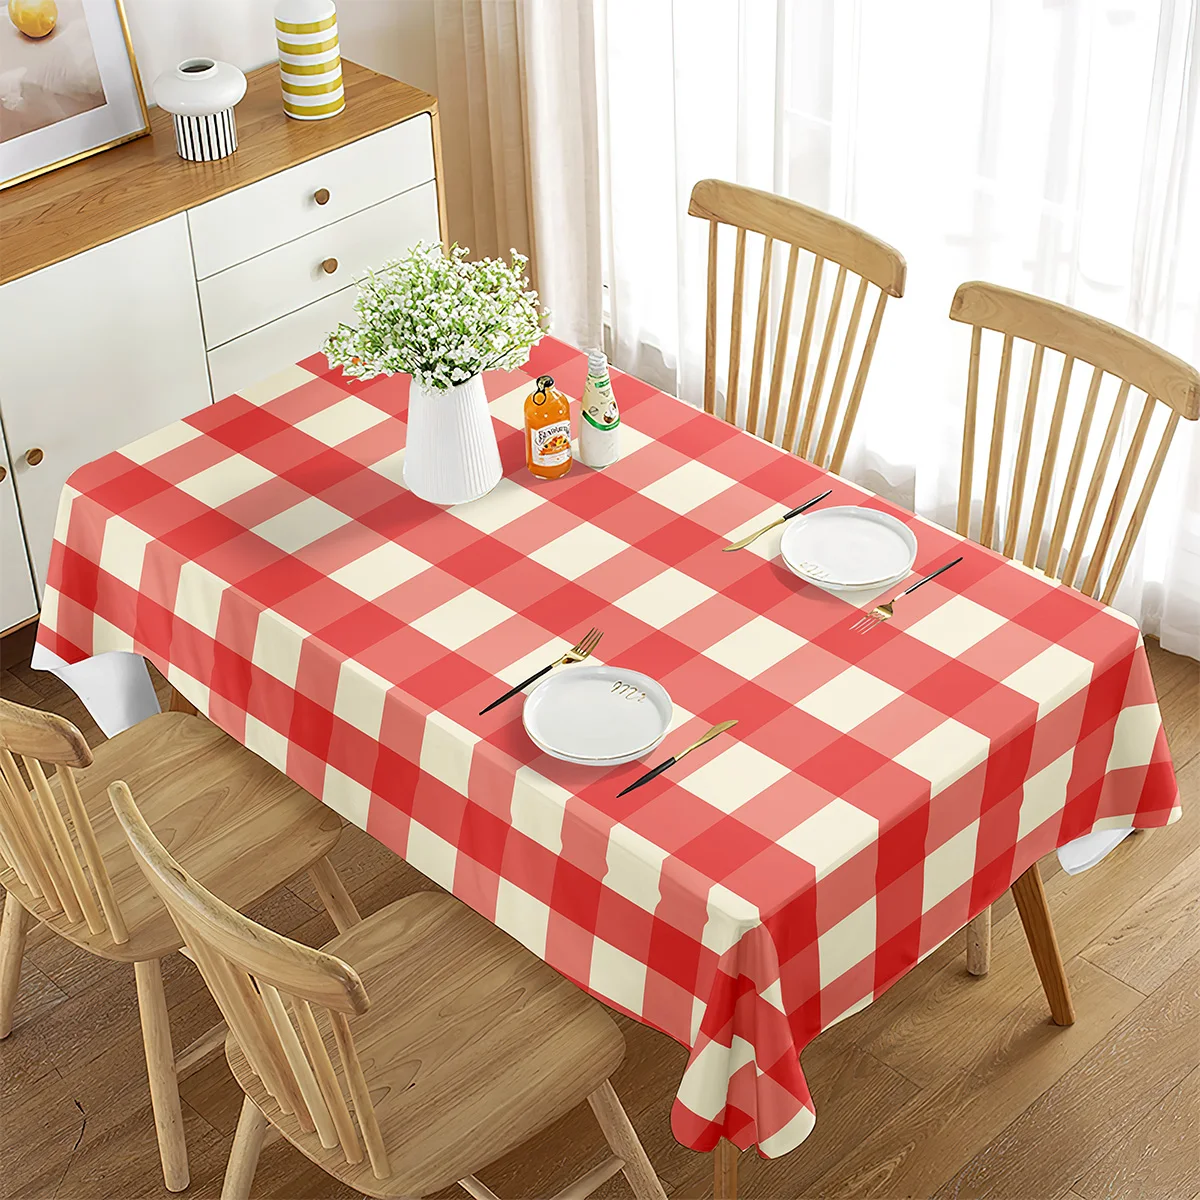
(1096, 1104)
(91, 1134)
(1160, 1157)
(947, 1082)
(37, 993)
(1156, 935)
(949, 1121)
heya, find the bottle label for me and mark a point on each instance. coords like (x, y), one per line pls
(599, 404)
(551, 444)
(604, 419)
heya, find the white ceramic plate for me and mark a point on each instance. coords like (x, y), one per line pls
(848, 548)
(599, 761)
(856, 591)
(597, 715)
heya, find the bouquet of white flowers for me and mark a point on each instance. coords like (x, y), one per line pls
(440, 318)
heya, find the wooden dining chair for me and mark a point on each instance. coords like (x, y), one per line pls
(407, 1053)
(814, 424)
(1058, 533)
(234, 820)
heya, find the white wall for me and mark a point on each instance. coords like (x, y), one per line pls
(394, 37)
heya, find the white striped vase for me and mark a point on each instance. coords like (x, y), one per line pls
(207, 138)
(200, 94)
(310, 66)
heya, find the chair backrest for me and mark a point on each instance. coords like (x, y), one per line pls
(810, 427)
(256, 976)
(35, 838)
(1172, 391)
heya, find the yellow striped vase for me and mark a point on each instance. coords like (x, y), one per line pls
(310, 67)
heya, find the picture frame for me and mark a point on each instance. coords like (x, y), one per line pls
(69, 84)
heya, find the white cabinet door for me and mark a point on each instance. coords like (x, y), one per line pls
(98, 350)
(17, 601)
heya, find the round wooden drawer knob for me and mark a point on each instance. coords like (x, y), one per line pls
(3, 474)
(321, 195)
(329, 266)
(34, 455)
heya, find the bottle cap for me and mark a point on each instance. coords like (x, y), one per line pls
(597, 362)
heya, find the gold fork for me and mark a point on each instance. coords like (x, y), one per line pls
(883, 612)
(577, 653)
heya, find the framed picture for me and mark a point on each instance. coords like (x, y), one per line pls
(69, 84)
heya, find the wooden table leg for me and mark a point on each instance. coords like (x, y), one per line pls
(180, 703)
(725, 1160)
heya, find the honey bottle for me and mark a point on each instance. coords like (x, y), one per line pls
(547, 431)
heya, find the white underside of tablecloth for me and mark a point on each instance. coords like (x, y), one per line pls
(116, 689)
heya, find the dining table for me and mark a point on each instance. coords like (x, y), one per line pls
(879, 790)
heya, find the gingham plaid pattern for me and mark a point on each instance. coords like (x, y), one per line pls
(876, 793)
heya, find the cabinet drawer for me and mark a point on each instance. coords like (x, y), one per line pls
(285, 206)
(267, 287)
(261, 353)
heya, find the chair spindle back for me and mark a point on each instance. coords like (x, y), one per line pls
(41, 845)
(810, 426)
(286, 1003)
(1171, 388)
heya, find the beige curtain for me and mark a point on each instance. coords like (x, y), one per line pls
(517, 97)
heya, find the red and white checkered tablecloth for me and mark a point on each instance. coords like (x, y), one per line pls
(876, 793)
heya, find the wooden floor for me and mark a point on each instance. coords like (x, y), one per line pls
(949, 1086)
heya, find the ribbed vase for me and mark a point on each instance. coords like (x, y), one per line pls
(451, 456)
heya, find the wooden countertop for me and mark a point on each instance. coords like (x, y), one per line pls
(64, 212)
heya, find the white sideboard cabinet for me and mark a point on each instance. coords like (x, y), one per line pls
(136, 288)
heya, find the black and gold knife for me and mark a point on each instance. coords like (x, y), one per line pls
(787, 516)
(670, 762)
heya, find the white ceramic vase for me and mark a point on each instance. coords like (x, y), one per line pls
(310, 65)
(451, 456)
(200, 94)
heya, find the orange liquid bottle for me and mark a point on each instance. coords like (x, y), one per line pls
(547, 431)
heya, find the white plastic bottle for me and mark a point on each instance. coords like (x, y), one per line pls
(600, 421)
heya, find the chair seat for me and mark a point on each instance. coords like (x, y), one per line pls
(231, 820)
(470, 1046)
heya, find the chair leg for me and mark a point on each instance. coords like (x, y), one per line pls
(623, 1141)
(333, 895)
(12, 950)
(206, 1045)
(243, 1155)
(1039, 932)
(725, 1160)
(160, 1067)
(979, 943)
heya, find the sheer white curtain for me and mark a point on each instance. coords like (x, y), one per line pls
(1049, 147)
